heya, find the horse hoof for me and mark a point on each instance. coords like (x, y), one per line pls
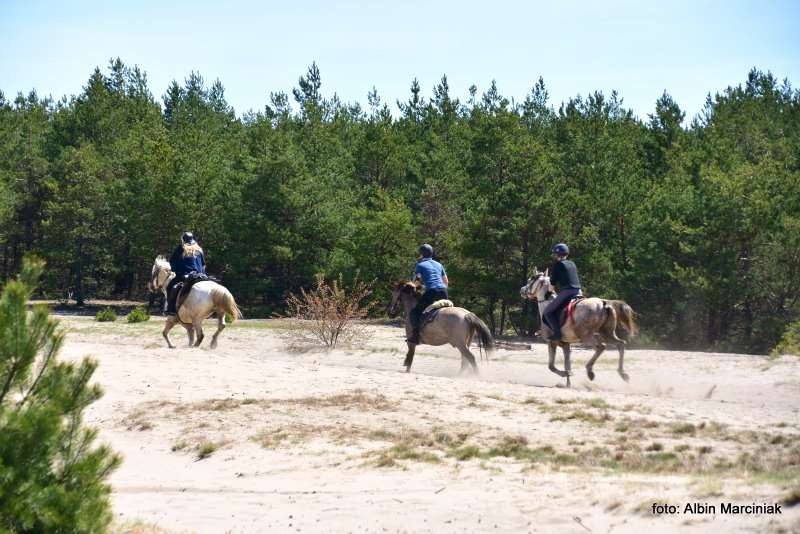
(625, 377)
(408, 369)
(590, 374)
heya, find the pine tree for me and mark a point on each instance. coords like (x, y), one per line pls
(52, 477)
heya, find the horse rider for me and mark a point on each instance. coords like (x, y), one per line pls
(187, 259)
(563, 275)
(434, 278)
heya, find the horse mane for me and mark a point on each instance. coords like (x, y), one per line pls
(405, 285)
(162, 263)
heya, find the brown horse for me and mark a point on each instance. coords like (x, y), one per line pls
(452, 325)
(593, 322)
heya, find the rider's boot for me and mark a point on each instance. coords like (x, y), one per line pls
(172, 297)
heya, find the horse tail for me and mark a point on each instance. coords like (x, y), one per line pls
(485, 339)
(610, 324)
(223, 300)
(625, 316)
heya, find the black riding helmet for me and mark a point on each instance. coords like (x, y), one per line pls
(426, 250)
(561, 249)
(188, 238)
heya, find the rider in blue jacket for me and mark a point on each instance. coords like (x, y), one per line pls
(434, 278)
(186, 259)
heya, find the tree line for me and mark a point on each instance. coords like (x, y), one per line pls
(696, 225)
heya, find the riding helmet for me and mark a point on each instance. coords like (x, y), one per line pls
(426, 250)
(561, 249)
(188, 238)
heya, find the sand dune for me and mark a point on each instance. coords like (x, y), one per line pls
(252, 437)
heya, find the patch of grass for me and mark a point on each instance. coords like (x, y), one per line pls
(683, 428)
(405, 451)
(683, 447)
(136, 527)
(705, 449)
(138, 420)
(356, 399)
(597, 402)
(531, 400)
(179, 446)
(584, 416)
(381, 435)
(106, 315)
(655, 446)
(206, 449)
(565, 401)
(271, 439)
(707, 487)
(465, 453)
(138, 315)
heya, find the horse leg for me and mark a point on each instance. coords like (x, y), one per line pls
(170, 322)
(567, 361)
(468, 358)
(220, 328)
(620, 368)
(599, 347)
(551, 355)
(190, 333)
(198, 326)
(409, 357)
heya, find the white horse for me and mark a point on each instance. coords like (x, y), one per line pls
(205, 298)
(594, 322)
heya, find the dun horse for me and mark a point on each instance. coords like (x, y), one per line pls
(204, 298)
(452, 325)
(593, 321)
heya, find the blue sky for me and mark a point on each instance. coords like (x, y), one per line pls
(640, 48)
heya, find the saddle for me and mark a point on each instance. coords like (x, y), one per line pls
(567, 314)
(430, 313)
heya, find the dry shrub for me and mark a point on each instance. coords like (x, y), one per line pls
(330, 312)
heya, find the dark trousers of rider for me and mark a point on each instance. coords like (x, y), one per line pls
(172, 294)
(551, 313)
(428, 298)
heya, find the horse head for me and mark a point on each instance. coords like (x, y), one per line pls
(160, 274)
(402, 290)
(537, 287)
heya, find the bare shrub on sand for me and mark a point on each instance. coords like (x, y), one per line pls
(329, 314)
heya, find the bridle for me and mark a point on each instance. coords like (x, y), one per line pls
(538, 280)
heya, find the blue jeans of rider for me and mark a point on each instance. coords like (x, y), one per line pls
(553, 310)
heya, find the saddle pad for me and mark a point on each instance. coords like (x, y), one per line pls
(444, 303)
(569, 311)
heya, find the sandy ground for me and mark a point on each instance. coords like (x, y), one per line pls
(253, 437)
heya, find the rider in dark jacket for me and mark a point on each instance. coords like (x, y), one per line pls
(186, 259)
(564, 275)
(434, 278)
